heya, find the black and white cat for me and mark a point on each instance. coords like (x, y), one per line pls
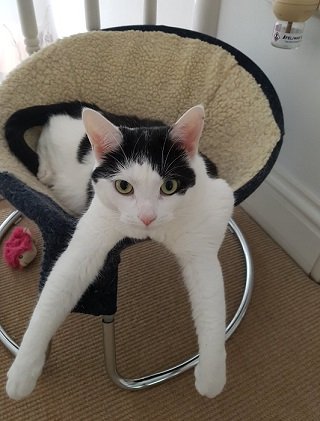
(139, 179)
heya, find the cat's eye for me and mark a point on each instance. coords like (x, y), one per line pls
(169, 187)
(123, 187)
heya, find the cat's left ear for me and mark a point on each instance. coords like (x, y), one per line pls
(188, 129)
(103, 135)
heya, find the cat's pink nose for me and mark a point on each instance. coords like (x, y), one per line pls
(147, 219)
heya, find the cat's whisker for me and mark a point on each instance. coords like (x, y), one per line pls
(172, 162)
(135, 145)
(120, 146)
(172, 173)
(162, 150)
(121, 165)
(168, 155)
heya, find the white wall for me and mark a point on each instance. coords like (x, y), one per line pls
(130, 12)
(288, 204)
(247, 24)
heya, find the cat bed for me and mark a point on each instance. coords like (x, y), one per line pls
(156, 72)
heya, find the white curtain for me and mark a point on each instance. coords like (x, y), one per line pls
(55, 18)
(12, 49)
(60, 18)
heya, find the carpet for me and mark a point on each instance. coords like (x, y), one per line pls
(273, 358)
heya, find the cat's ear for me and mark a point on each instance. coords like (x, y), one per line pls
(188, 129)
(103, 135)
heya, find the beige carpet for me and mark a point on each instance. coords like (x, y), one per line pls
(273, 359)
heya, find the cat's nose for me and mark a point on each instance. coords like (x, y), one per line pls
(147, 219)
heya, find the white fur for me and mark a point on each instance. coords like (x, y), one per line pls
(58, 167)
(192, 226)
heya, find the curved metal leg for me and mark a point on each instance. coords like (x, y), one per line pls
(8, 342)
(12, 219)
(108, 323)
(161, 376)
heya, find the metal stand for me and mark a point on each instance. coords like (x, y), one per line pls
(12, 219)
(109, 331)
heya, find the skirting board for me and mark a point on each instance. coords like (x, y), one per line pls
(291, 216)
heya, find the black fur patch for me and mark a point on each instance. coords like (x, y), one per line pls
(83, 149)
(211, 168)
(90, 193)
(154, 146)
(117, 120)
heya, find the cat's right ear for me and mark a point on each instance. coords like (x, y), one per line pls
(103, 135)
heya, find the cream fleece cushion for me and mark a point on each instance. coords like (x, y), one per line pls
(150, 74)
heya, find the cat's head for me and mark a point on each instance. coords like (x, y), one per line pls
(143, 173)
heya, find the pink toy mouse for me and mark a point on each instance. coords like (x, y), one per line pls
(19, 250)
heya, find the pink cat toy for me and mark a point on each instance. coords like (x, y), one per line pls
(19, 250)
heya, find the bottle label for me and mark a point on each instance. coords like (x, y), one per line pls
(285, 37)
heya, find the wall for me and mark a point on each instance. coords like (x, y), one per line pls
(130, 12)
(287, 205)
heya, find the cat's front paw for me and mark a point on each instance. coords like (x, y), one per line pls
(210, 383)
(22, 378)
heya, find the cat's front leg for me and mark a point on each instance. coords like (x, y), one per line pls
(203, 279)
(76, 268)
